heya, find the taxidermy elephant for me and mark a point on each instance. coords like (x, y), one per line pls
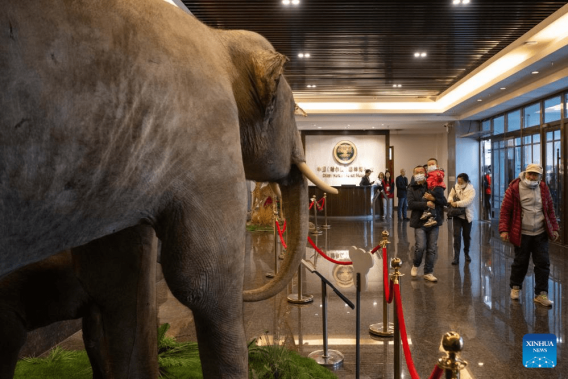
(117, 329)
(118, 113)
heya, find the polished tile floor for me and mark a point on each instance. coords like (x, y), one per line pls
(471, 299)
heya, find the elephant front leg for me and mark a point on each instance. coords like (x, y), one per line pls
(204, 266)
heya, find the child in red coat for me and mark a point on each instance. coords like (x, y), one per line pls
(436, 188)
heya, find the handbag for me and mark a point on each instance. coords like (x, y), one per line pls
(455, 211)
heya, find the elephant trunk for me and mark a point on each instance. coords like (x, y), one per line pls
(295, 201)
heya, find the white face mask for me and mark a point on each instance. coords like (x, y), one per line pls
(462, 186)
(419, 177)
(531, 183)
(432, 168)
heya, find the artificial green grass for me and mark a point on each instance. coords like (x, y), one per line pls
(257, 228)
(177, 360)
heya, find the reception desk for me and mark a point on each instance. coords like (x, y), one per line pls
(351, 201)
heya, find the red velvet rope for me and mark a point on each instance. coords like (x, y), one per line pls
(325, 256)
(403, 336)
(284, 227)
(311, 205)
(375, 249)
(280, 234)
(387, 284)
(322, 201)
(436, 373)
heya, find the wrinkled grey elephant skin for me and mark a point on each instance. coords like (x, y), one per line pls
(64, 287)
(120, 113)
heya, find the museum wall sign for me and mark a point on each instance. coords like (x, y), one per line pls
(341, 161)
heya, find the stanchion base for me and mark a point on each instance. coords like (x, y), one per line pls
(281, 257)
(326, 226)
(269, 275)
(377, 330)
(333, 360)
(318, 232)
(293, 298)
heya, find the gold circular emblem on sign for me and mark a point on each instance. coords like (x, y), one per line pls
(345, 152)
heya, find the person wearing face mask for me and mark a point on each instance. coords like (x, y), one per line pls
(462, 195)
(426, 238)
(527, 220)
(436, 187)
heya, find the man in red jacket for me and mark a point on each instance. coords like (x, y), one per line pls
(527, 220)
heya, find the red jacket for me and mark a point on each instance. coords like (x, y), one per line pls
(510, 217)
(388, 187)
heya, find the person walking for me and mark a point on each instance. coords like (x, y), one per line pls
(462, 195)
(426, 237)
(388, 186)
(401, 183)
(528, 221)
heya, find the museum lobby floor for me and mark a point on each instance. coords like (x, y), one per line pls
(471, 299)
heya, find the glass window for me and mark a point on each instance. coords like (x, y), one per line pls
(532, 115)
(514, 120)
(499, 125)
(552, 108)
(486, 125)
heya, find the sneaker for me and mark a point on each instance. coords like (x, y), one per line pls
(414, 271)
(515, 291)
(543, 299)
(431, 222)
(425, 215)
(432, 278)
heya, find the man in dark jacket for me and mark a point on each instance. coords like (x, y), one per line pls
(401, 185)
(527, 220)
(426, 237)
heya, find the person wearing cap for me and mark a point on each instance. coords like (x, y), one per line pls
(527, 220)
(365, 179)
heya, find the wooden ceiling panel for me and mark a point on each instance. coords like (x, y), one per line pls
(364, 47)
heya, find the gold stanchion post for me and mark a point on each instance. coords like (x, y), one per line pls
(325, 225)
(452, 364)
(383, 329)
(396, 263)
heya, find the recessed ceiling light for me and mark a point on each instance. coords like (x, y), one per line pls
(422, 55)
(530, 43)
(534, 72)
(319, 127)
(457, 1)
(307, 55)
(301, 55)
(502, 88)
(295, 2)
(465, 1)
(416, 54)
(479, 99)
(286, 2)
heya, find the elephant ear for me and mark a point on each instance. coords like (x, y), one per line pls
(268, 69)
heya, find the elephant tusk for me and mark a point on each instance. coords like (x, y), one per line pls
(314, 179)
(276, 189)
